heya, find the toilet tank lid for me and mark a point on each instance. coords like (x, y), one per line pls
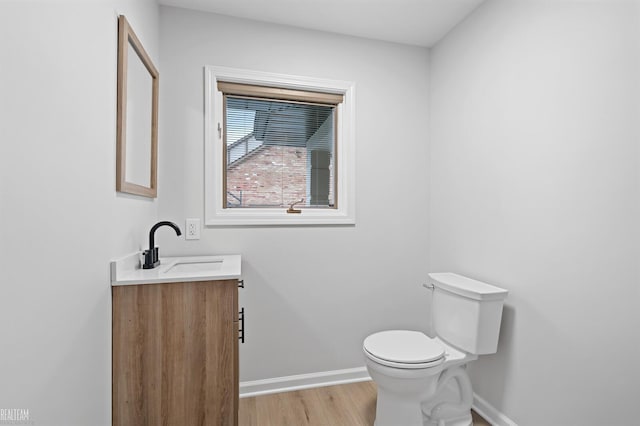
(467, 287)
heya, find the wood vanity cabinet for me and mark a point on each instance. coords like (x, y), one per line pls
(175, 354)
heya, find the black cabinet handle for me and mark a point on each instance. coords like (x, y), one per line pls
(241, 328)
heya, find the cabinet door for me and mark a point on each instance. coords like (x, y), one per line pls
(175, 350)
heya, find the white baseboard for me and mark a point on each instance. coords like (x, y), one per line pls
(489, 412)
(303, 381)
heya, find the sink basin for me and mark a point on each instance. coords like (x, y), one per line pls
(188, 266)
(127, 270)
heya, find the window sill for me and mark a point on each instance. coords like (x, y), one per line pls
(259, 217)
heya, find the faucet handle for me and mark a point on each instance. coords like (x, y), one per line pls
(150, 258)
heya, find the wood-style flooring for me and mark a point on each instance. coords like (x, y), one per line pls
(352, 404)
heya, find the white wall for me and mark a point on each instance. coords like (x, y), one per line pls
(61, 219)
(535, 186)
(313, 293)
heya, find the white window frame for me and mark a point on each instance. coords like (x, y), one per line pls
(215, 213)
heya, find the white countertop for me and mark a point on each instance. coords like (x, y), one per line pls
(127, 270)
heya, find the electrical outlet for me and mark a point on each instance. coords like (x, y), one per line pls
(193, 229)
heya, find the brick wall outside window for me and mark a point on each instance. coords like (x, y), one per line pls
(271, 176)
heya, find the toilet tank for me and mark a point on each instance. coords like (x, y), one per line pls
(466, 313)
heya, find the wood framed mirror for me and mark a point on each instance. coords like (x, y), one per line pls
(137, 116)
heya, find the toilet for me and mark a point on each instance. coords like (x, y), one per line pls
(422, 381)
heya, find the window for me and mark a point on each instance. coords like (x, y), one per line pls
(273, 141)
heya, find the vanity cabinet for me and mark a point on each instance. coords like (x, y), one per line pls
(175, 354)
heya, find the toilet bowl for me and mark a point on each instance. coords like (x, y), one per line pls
(409, 368)
(422, 381)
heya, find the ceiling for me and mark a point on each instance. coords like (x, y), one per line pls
(414, 22)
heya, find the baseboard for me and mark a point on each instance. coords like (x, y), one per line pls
(490, 413)
(303, 381)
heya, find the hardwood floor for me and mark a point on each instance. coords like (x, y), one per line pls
(343, 405)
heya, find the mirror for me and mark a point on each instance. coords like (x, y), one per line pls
(137, 116)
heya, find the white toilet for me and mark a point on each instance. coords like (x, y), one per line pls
(417, 375)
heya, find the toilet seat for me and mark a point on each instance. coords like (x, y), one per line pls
(404, 349)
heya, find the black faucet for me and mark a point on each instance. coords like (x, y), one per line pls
(151, 258)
